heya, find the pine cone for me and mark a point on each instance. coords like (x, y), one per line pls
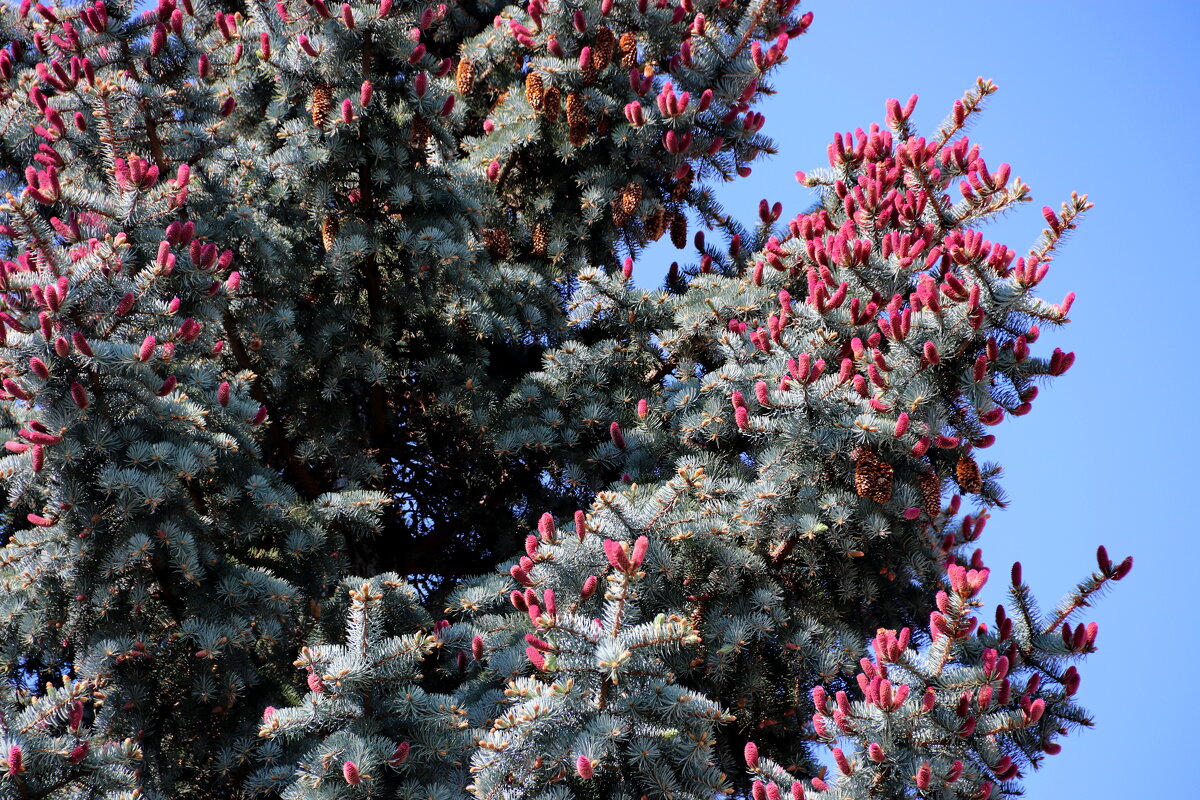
(679, 230)
(552, 103)
(656, 224)
(629, 48)
(930, 486)
(604, 124)
(419, 133)
(631, 197)
(329, 231)
(602, 48)
(496, 242)
(322, 102)
(619, 217)
(873, 477)
(576, 119)
(682, 186)
(966, 472)
(535, 91)
(588, 72)
(541, 240)
(464, 78)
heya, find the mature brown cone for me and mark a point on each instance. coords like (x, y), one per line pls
(602, 48)
(329, 231)
(631, 197)
(464, 77)
(322, 101)
(496, 242)
(541, 240)
(552, 103)
(619, 217)
(930, 486)
(679, 230)
(576, 119)
(629, 48)
(966, 472)
(873, 477)
(535, 91)
(682, 186)
(656, 224)
(419, 132)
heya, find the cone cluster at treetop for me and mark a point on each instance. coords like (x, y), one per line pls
(344, 458)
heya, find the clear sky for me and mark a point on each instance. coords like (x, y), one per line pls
(1098, 97)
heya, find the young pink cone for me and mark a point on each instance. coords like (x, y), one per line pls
(583, 768)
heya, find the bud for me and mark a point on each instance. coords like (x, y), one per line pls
(924, 775)
(589, 586)
(751, 754)
(350, 773)
(580, 525)
(618, 438)
(223, 393)
(583, 768)
(400, 754)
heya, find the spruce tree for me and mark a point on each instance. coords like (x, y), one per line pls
(344, 458)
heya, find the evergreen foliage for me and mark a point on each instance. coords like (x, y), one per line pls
(345, 460)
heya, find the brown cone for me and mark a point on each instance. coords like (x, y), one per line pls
(329, 231)
(930, 486)
(682, 186)
(602, 48)
(419, 133)
(966, 472)
(679, 231)
(464, 77)
(631, 197)
(535, 91)
(656, 224)
(576, 119)
(629, 48)
(541, 240)
(322, 101)
(496, 242)
(552, 103)
(873, 477)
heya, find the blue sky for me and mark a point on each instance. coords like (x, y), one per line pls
(1099, 97)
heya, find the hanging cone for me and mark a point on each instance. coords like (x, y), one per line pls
(418, 135)
(464, 77)
(496, 242)
(629, 48)
(631, 197)
(576, 119)
(966, 472)
(552, 103)
(682, 186)
(679, 231)
(930, 486)
(535, 91)
(322, 102)
(329, 231)
(873, 477)
(602, 49)
(656, 224)
(541, 240)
